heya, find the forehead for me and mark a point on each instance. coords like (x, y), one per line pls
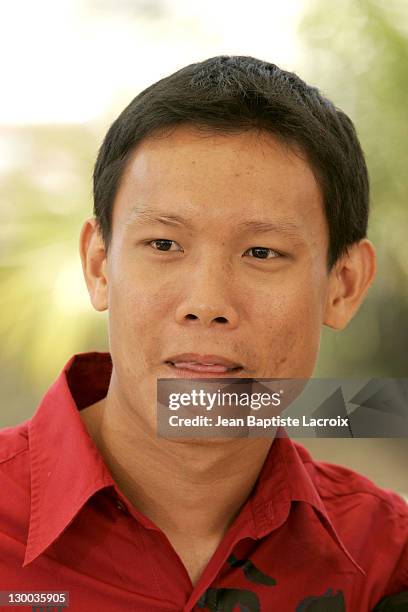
(215, 179)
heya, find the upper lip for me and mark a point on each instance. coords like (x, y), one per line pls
(205, 359)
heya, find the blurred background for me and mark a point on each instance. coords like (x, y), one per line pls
(70, 67)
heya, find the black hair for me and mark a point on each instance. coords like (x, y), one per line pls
(228, 94)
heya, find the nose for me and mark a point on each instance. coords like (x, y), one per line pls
(208, 299)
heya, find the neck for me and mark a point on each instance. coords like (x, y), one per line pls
(171, 481)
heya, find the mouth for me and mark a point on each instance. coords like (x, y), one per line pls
(193, 365)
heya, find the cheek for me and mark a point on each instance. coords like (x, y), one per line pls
(288, 305)
(137, 309)
(289, 335)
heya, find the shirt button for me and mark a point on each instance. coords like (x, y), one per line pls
(120, 506)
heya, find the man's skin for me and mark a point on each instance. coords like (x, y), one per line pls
(210, 294)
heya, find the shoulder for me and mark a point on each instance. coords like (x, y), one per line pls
(14, 461)
(13, 442)
(371, 521)
(339, 485)
(15, 483)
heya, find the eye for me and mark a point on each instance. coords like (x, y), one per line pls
(163, 244)
(263, 253)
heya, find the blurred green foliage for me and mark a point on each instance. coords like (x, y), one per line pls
(356, 53)
(46, 315)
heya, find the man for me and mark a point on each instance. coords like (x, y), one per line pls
(231, 206)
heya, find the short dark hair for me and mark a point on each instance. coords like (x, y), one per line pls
(227, 94)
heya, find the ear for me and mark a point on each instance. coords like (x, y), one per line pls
(349, 281)
(94, 263)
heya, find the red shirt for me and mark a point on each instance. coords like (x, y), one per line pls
(310, 534)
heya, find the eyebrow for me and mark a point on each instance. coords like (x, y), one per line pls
(143, 217)
(146, 216)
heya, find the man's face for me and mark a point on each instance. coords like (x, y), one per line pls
(219, 247)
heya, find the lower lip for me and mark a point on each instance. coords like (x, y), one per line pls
(202, 372)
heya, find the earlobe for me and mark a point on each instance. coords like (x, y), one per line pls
(349, 282)
(94, 263)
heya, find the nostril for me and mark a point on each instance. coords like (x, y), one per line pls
(193, 317)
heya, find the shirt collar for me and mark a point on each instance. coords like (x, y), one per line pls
(67, 468)
(286, 477)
